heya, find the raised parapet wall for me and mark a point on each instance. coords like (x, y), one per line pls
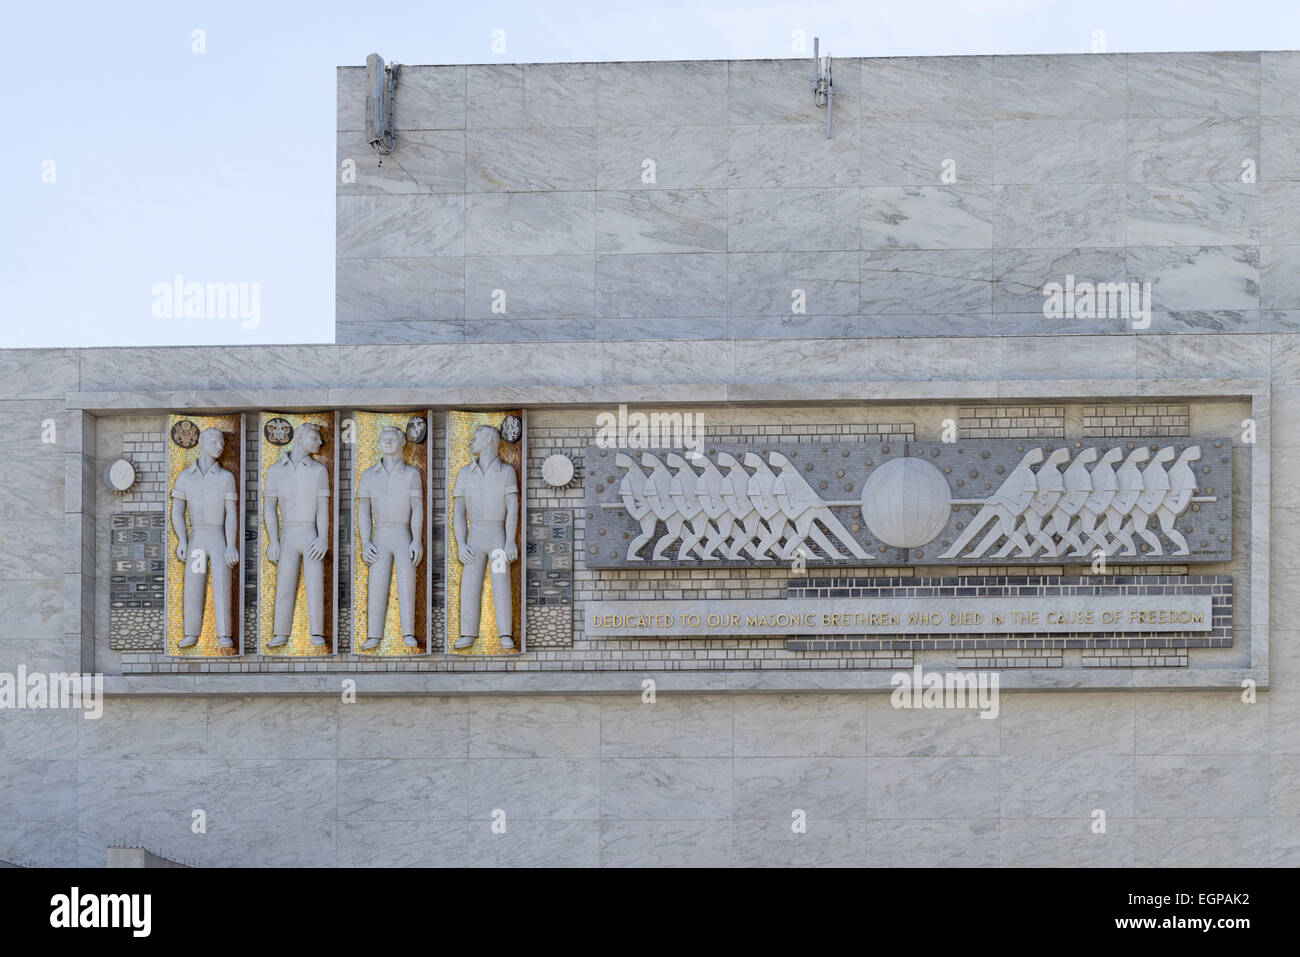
(701, 199)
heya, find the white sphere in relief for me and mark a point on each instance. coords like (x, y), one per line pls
(905, 502)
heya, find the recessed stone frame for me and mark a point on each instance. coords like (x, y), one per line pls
(79, 524)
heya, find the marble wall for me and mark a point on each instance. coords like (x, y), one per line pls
(1185, 777)
(1191, 779)
(529, 179)
(952, 191)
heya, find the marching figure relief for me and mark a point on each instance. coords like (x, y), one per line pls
(486, 522)
(390, 517)
(1051, 503)
(210, 547)
(296, 500)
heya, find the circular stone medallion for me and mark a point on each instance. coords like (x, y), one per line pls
(278, 431)
(120, 475)
(185, 434)
(512, 427)
(557, 470)
(417, 430)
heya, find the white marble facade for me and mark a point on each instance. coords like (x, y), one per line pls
(1176, 169)
(529, 179)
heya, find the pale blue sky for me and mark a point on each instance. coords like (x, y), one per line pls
(220, 166)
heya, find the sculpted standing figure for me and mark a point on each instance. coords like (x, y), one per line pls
(486, 517)
(748, 523)
(1155, 486)
(762, 492)
(805, 508)
(1049, 486)
(1005, 506)
(1129, 477)
(1095, 506)
(686, 500)
(390, 517)
(658, 493)
(709, 491)
(632, 491)
(208, 491)
(1182, 486)
(1078, 486)
(300, 487)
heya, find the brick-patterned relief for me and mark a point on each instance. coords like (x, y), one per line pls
(1011, 422)
(1103, 421)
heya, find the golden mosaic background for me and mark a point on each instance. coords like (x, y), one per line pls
(365, 453)
(460, 430)
(178, 459)
(299, 644)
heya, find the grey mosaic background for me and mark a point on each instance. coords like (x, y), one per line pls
(549, 555)
(548, 599)
(137, 555)
(137, 585)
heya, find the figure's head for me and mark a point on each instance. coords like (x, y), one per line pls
(1192, 453)
(727, 460)
(650, 462)
(1058, 455)
(212, 443)
(486, 439)
(1113, 455)
(1032, 457)
(623, 461)
(753, 461)
(1087, 456)
(1138, 455)
(779, 460)
(307, 437)
(674, 460)
(1165, 454)
(391, 439)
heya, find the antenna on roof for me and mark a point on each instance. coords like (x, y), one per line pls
(381, 81)
(823, 88)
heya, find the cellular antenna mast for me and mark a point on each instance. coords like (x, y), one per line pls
(381, 81)
(823, 88)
